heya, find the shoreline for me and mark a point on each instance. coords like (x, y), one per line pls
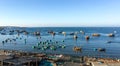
(50, 53)
(58, 59)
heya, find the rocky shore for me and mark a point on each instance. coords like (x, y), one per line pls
(20, 58)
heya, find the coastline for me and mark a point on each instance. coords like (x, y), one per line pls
(57, 60)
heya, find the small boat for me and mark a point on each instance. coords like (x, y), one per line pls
(71, 33)
(60, 32)
(109, 41)
(53, 48)
(26, 33)
(96, 34)
(3, 33)
(87, 37)
(82, 32)
(111, 35)
(64, 33)
(53, 33)
(75, 36)
(63, 46)
(50, 31)
(101, 49)
(76, 33)
(37, 33)
(95, 49)
(10, 33)
(77, 48)
(3, 42)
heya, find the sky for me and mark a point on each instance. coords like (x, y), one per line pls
(60, 13)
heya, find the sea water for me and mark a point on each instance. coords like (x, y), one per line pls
(112, 49)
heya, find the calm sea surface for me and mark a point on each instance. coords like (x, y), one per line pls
(112, 49)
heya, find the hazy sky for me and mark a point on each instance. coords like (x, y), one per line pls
(59, 13)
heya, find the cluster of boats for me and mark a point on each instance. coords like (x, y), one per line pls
(49, 44)
(8, 40)
(13, 40)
